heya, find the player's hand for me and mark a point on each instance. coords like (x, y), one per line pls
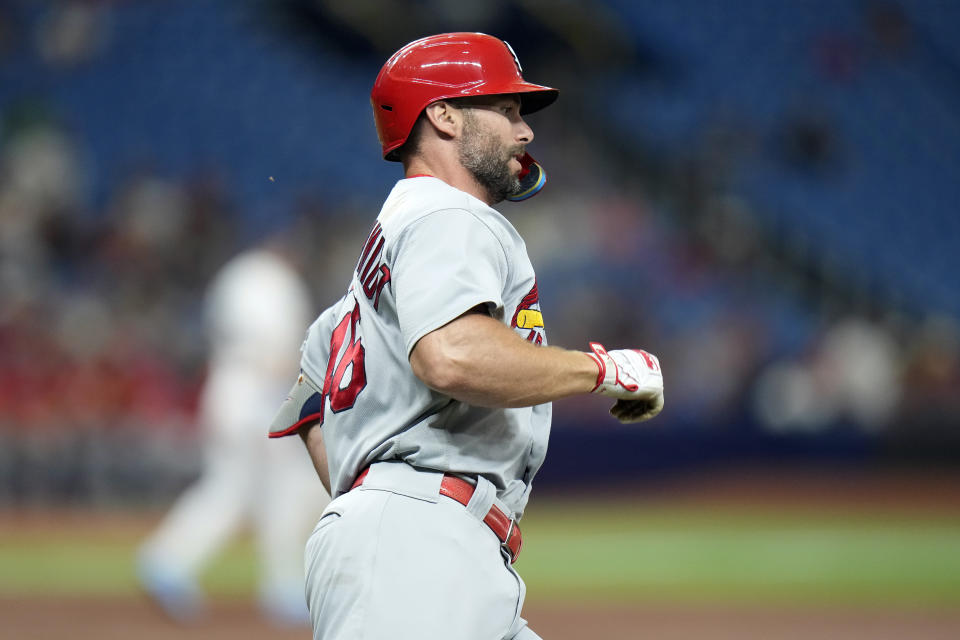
(633, 377)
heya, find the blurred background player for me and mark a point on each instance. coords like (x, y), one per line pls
(257, 308)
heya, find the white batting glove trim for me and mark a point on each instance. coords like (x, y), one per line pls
(633, 376)
(608, 377)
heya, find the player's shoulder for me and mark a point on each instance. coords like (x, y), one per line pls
(413, 201)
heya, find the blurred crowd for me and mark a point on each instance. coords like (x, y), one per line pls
(102, 350)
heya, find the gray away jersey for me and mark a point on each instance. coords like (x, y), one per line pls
(434, 254)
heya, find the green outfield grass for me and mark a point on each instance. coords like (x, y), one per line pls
(575, 551)
(741, 556)
(61, 565)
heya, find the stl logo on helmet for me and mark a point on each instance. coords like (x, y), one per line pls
(528, 319)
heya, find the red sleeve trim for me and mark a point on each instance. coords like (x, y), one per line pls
(313, 417)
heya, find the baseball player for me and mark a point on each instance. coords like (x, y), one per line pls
(424, 393)
(257, 308)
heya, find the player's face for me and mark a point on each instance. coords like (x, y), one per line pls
(493, 141)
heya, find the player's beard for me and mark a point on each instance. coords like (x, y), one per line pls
(487, 160)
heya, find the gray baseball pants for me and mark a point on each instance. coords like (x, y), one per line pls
(395, 560)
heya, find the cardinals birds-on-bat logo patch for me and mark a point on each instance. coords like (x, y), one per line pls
(528, 320)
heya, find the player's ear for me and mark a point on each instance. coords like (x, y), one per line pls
(445, 117)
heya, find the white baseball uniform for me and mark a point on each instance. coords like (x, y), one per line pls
(393, 558)
(257, 308)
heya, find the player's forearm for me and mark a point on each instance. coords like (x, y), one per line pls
(478, 360)
(525, 377)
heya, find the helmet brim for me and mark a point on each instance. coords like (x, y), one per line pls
(535, 99)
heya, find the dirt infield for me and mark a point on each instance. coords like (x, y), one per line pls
(686, 622)
(108, 618)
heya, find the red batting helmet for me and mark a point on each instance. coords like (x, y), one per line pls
(449, 65)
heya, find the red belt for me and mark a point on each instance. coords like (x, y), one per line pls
(505, 528)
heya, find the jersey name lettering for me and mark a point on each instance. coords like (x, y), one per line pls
(372, 273)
